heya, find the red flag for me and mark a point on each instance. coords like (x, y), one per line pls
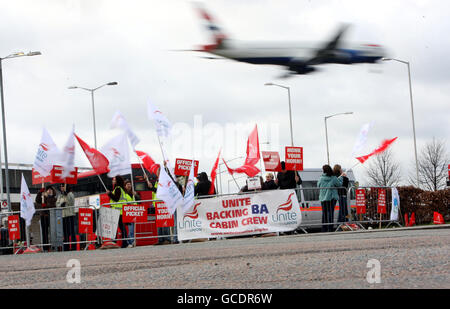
(252, 158)
(249, 170)
(213, 175)
(253, 155)
(146, 159)
(98, 161)
(383, 147)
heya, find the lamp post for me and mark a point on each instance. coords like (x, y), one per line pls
(92, 99)
(15, 55)
(412, 111)
(290, 112)
(326, 131)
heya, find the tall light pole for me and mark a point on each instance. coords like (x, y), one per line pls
(412, 111)
(290, 112)
(326, 131)
(5, 149)
(92, 99)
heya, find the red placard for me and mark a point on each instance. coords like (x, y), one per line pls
(134, 213)
(271, 161)
(294, 158)
(55, 176)
(85, 221)
(13, 227)
(449, 172)
(38, 179)
(183, 166)
(381, 209)
(57, 172)
(360, 201)
(163, 217)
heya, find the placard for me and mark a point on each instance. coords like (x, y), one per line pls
(381, 209)
(134, 213)
(55, 176)
(163, 217)
(85, 221)
(254, 183)
(360, 201)
(271, 161)
(109, 219)
(13, 227)
(183, 166)
(294, 158)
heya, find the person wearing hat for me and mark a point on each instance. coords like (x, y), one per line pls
(203, 185)
(45, 199)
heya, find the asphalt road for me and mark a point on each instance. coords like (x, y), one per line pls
(408, 258)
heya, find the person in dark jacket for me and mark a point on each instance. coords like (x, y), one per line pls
(269, 184)
(342, 193)
(203, 185)
(287, 179)
(46, 199)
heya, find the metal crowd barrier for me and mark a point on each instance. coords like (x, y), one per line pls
(350, 223)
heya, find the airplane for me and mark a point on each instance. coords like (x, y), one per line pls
(298, 58)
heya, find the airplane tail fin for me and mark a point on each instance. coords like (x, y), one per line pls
(214, 30)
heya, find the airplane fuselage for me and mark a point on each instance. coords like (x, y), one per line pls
(296, 54)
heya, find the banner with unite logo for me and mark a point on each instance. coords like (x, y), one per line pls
(243, 214)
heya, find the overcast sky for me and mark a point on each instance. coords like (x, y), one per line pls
(91, 42)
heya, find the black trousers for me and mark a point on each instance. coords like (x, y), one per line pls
(45, 225)
(69, 232)
(327, 215)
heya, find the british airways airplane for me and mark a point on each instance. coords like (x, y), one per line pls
(299, 58)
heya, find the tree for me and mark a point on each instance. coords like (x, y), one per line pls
(433, 161)
(384, 171)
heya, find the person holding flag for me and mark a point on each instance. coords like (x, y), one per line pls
(48, 202)
(117, 197)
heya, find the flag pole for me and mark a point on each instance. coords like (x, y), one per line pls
(102, 182)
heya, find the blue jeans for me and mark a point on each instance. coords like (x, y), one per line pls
(327, 215)
(130, 233)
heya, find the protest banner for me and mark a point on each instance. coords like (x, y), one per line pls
(238, 215)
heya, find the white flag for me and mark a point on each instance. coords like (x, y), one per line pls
(26, 203)
(168, 192)
(118, 121)
(361, 139)
(162, 124)
(188, 201)
(47, 155)
(117, 152)
(67, 160)
(395, 204)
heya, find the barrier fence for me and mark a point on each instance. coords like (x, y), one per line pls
(373, 210)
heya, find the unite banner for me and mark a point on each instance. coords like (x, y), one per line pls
(243, 214)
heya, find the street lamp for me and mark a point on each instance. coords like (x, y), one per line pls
(92, 99)
(290, 113)
(15, 55)
(412, 111)
(326, 131)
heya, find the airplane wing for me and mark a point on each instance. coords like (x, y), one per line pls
(329, 48)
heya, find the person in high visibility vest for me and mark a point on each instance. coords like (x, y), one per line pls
(130, 196)
(118, 196)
